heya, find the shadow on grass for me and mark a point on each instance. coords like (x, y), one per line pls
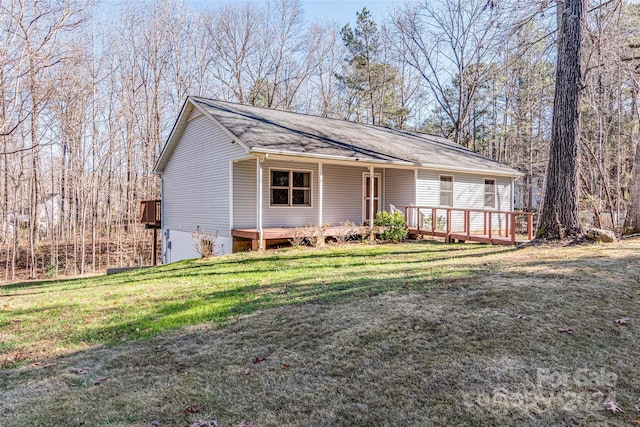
(219, 305)
(196, 267)
(443, 252)
(460, 354)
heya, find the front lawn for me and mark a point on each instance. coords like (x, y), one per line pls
(411, 334)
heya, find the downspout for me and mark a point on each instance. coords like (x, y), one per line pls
(163, 237)
(416, 175)
(231, 213)
(371, 193)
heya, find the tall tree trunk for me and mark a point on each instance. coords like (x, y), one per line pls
(632, 220)
(560, 218)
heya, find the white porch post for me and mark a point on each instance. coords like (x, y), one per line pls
(371, 193)
(231, 198)
(320, 193)
(415, 200)
(259, 161)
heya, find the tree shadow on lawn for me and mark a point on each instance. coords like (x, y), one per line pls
(260, 292)
(218, 306)
(40, 284)
(379, 354)
(439, 250)
(318, 256)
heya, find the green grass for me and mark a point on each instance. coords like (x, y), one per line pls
(71, 314)
(409, 334)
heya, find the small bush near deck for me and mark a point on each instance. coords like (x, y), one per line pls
(441, 222)
(394, 225)
(206, 244)
(349, 232)
(300, 238)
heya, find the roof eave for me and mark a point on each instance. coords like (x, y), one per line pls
(488, 171)
(476, 171)
(258, 150)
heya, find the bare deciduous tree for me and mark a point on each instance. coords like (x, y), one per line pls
(448, 42)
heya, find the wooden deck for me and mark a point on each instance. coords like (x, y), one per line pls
(498, 227)
(150, 213)
(288, 233)
(278, 234)
(150, 216)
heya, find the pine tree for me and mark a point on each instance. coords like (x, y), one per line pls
(560, 218)
(372, 83)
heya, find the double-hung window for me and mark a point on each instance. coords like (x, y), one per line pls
(489, 193)
(290, 188)
(446, 191)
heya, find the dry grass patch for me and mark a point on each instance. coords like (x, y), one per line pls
(388, 335)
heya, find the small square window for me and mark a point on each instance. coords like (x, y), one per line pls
(301, 197)
(280, 178)
(301, 179)
(280, 196)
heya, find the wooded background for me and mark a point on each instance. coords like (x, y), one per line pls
(89, 92)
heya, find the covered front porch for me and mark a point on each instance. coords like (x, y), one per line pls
(278, 198)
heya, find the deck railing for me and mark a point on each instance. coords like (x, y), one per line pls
(150, 213)
(488, 226)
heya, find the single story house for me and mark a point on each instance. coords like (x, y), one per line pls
(235, 169)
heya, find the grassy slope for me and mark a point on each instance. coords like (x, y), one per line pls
(415, 334)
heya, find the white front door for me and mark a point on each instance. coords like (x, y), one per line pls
(366, 191)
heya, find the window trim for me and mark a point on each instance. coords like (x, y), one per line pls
(291, 187)
(495, 188)
(440, 190)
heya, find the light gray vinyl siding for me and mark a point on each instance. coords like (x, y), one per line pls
(288, 216)
(399, 186)
(342, 194)
(503, 198)
(244, 194)
(196, 179)
(428, 184)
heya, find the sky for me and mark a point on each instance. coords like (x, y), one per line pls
(343, 11)
(340, 11)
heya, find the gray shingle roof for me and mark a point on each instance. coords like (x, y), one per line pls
(273, 131)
